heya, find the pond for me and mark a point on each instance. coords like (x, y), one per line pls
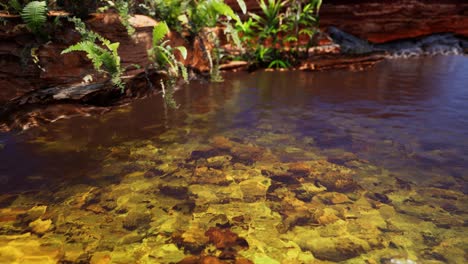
(267, 167)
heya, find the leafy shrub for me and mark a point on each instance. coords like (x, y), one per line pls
(301, 19)
(208, 13)
(169, 11)
(280, 24)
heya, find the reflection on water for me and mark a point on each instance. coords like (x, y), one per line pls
(269, 167)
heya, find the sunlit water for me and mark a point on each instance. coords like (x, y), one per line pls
(298, 167)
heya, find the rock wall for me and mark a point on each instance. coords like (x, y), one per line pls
(382, 21)
(19, 74)
(386, 20)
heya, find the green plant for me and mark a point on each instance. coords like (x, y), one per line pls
(279, 64)
(247, 30)
(170, 11)
(207, 14)
(280, 24)
(123, 9)
(217, 54)
(301, 19)
(270, 23)
(260, 33)
(102, 53)
(34, 14)
(163, 57)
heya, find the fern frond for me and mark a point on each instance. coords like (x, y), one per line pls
(123, 8)
(159, 32)
(93, 52)
(183, 71)
(109, 64)
(34, 14)
(80, 46)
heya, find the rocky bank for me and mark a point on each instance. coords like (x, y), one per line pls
(357, 34)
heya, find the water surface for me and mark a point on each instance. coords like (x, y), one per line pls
(271, 167)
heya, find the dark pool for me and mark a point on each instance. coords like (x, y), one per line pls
(268, 167)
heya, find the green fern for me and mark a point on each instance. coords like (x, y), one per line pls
(123, 8)
(102, 53)
(34, 14)
(159, 32)
(170, 11)
(162, 54)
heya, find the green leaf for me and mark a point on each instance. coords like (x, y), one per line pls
(159, 32)
(232, 32)
(223, 9)
(34, 14)
(183, 51)
(242, 6)
(318, 4)
(279, 64)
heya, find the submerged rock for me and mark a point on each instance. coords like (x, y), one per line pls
(330, 248)
(40, 227)
(218, 162)
(333, 198)
(205, 175)
(246, 154)
(32, 214)
(222, 143)
(333, 177)
(379, 197)
(225, 238)
(136, 220)
(255, 188)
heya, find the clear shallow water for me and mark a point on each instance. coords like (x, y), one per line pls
(270, 166)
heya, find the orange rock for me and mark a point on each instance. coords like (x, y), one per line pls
(204, 175)
(222, 143)
(95, 209)
(333, 198)
(201, 260)
(211, 260)
(243, 261)
(326, 216)
(299, 168)
(246, 153)
(222, 238)
(101, 258)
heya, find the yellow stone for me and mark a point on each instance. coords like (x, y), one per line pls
(40, 226)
